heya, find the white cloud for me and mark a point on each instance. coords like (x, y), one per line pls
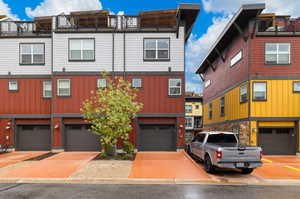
(54, 7)
(194, 87)
(286, 7)
(5, 10)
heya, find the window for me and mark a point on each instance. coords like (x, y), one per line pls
(189, 122)
(221, 138)
(82, 50)
(188, 108)
(156, 49)
(136, 83)
(13, 85)
(200, 137)
(64, 87)
(32, 54)
(47, 89)
(196, 107)
(296, 86)
(207, 83)
(259, 91)
(243, 93)
(174, 87)
(277, 53)
(101, 83)
(236, 58)
(222, 106)
(210, 111)
(197, 122)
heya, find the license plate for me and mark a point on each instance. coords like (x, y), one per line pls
(240, 164)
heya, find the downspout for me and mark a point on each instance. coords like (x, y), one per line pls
(52, 83)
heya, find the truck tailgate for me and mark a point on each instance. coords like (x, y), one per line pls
(244, 154)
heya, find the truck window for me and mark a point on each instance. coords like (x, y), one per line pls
(221, 138)
(200, 137)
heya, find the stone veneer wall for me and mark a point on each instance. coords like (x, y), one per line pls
(244, 130)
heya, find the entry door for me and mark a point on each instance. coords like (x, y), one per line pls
(277, 141)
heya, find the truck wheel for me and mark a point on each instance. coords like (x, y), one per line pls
(208, 166)
(246, 171)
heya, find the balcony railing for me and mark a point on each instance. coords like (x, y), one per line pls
(267, 26)
(21, 28)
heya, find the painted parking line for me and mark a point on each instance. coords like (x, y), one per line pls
(266, 160)
(292, 168)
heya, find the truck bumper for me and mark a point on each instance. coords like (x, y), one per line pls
(239, 165)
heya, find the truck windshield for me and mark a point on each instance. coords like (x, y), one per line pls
(221, 138)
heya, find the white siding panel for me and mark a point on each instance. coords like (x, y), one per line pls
(119, 49)
(9, 57)
(103, 53)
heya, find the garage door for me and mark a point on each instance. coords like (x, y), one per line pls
(78, 138)
(277, 141)
(157, 137)
(33, 138)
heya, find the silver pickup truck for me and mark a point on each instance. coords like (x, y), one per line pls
(222, 149)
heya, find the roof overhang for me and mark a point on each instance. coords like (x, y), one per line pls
(188, 12)
(241, 19)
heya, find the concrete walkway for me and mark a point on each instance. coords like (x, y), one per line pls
(15, 157)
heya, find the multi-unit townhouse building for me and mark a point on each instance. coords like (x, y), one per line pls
(252, 80)
(49, 66)
(193, 113)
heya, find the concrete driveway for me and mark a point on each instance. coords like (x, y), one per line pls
(15, 157)
(61, 165)
(175, 165)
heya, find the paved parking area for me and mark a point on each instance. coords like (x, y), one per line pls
(15, 157)
(279, 168)
(61, 165)
(175, 165)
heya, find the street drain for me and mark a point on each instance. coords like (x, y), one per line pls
(41, 157)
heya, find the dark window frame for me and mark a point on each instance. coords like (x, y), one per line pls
(210, 111)
(57, 93)
(157, 59)
(294, 82)
(32, 64)
(10, 90)
(277, 64)
(81, 60)
(222, 106)
(253, 83)
(241, 100)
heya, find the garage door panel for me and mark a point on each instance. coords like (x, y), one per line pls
(157, 137)
(79, 138)
(34, 138)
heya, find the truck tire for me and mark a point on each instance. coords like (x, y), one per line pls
(246, 171)
(208, 166)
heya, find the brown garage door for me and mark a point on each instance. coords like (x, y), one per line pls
(277, 141)
(33, 138)
(78, 138)
(157, 137)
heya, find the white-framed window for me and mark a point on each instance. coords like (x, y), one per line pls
(156, 49)
(47, 89)
(243, 93)
(136, 83)
(174, 87)
(81, 49)
(188, 108)
(236, 58)
(189, 122)
(63, 87)
(260, 91)
(32, 53)
(277, 53)
(13, 85)
(296, 86)
(101, 83)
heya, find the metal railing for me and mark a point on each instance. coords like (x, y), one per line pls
(20, 27)
(266, 25)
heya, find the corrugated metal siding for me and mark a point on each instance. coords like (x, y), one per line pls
(258, 66)
(9, 58)
(281, 101)
(154, 94)
(225, 76)
(27, 100)
(233, 109)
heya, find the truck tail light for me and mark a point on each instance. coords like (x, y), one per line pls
(219, 154)
(261, 155)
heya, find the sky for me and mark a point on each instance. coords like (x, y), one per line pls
(213, 17)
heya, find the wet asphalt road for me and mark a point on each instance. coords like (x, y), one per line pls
(112, 191)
